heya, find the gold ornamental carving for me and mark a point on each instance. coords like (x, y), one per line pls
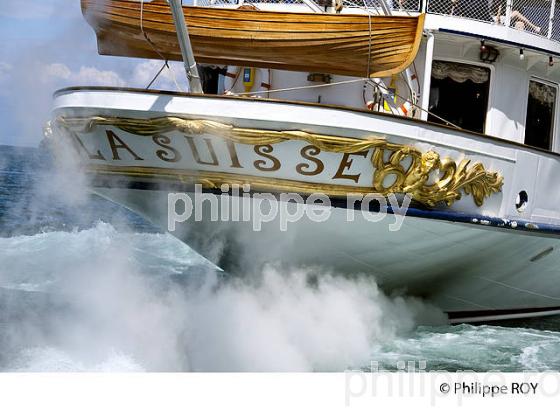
(398, 169)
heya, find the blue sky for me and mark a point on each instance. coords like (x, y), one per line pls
(47, 45)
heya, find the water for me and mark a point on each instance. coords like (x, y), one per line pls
(87, 286)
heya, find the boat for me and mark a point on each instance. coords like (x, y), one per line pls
(339, 44)
(426, 132)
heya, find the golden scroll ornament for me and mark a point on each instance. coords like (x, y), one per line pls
(398, 169)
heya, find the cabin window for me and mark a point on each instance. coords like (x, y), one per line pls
(210, 78)
(459, 95)
(539, 125)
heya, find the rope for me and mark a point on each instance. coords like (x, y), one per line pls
(303, 87)
(367, 81)
(369, 39)
(228, 91)
(156, 76)
(376, 85)
(162, 57)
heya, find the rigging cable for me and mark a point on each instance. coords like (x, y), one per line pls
(376, 85)
(166, 61)
(369, 39)
(368, 81)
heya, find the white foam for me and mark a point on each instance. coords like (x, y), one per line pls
(49, 359)
(111, 295)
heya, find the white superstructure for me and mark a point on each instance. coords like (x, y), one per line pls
(472, 123)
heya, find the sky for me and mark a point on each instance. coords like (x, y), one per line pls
(47, 45)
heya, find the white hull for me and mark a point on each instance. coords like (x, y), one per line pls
(460, 267)
(474, 260)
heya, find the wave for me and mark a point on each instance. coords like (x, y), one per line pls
(101, 299)
(82, 299)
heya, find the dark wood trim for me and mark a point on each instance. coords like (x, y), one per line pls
(310, 104)
(499, 312)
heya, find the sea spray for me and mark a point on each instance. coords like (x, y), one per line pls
(111, 296)
(83, 295)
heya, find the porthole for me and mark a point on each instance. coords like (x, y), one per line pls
(522, 201)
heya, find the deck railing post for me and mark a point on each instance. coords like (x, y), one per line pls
(385, 7)
(509, 9)
(551, 20)
(313, 6)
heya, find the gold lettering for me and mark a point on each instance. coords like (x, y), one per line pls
(97, 155)
(307, 152)
(163, 141)
(345, 164)
(196, 155)
(111, 136)
(233, 155)
(264, 151)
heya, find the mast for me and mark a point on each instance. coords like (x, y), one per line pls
(189, 62)
(425, 92)
(408, 74)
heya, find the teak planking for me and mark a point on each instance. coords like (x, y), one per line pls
(314, 42)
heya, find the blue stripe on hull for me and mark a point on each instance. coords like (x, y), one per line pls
(414, 211)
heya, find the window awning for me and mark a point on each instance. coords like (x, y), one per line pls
(460, 72)
(543, 93)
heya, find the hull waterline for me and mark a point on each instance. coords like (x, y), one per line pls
(473, 254)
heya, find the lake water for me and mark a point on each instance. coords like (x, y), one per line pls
(86, 285)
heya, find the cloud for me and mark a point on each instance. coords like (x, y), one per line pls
(33, 9)
(93, 76)
(85, 76)
(29, 89)
(14, 9)
(172, 78)
(5, 70)
(57, 70)
(142, 74)
(5, 73)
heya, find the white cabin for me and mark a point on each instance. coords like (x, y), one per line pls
(487, 66)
